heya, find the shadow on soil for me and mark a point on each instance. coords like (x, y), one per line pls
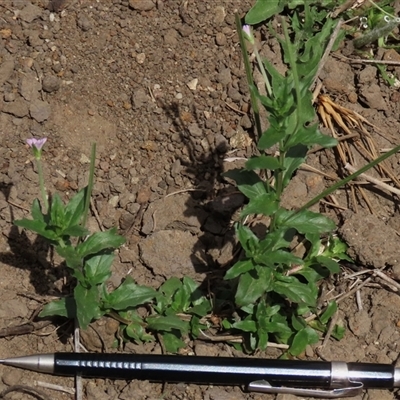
(30, 255)
(219, 201)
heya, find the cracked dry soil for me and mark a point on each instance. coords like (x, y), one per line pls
(160, 87)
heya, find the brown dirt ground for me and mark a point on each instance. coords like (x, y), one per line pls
(159, 85)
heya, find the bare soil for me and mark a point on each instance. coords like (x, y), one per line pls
(160, 87)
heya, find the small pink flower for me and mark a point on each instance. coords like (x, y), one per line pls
(246, 30)
(36, 143)
(247, 33)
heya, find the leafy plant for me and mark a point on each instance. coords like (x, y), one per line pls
(89, 256)
(176, 308)
(276, 289)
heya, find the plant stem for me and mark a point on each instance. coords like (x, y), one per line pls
(262, 70)
(250, 81)
(41, 185)
(282, 152)
(293, 70)
(348, 179)
(89, 188)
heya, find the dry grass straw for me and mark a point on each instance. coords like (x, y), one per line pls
(348, 121)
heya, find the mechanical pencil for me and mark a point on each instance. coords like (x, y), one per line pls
(307, 378)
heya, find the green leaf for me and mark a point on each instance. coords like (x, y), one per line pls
(98, 268)
(57, 212)
(310, 136)
(192, 289)
(263, 315)
(64, 307)
(338, 332)
(307, 222)
(38, 227)
(280, 238)
(315, 241)
(291, 288)
(270, 137)
(277, 257)
(298, 323)
(100, 241)
(263, 162)
(36, 211)
(167, 323)
(201, 309)
(280, 330)
(312, 274)
(172, 342)
(248, 240)
(266, 204)
(72, 258)
(196, 327)
(245, 326)
(262, 339)
(303, 338)
(136, 331)
(295, 156)
(328, 313)
(170, 286)
(181, 301)
(184, 296)
(87, 305)
(74, 209)
(253, 191)
(252, 285)
(75, 231)
(263, 10)
(332, 265)
(336, 249)
(239, 268)
(242, 177)
(129, 295)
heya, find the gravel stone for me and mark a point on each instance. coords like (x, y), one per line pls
(18, 108)
(245, 122)
(39, 110)
(171, 37)
(6, 70)
(221, 144)
(51, 83)
(220, 39)
(224, 76)
(185, 30)
(84, 23)
(29, 87)
(195, 130)
(34, 40)
(234, 94)
(219, 15)
(141, 5)
(372, 95)
(139, 98)
(30, 13)
(12, 376)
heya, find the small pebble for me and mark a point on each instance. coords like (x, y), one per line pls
(220, 39)
(192, 85)
(141, 5)
(12, 377)
(51, 83)
(84, 23)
